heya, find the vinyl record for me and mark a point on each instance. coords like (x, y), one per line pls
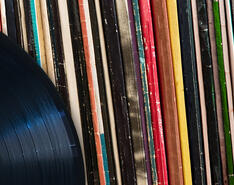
(140, 89)
(229, 27)
(47, 41)
(83, 93)
(232, 9)
(38, 140)
(223, 76)
(57, 49)
(108, 94)
(69, 67)
(228, 125)
(41, 35)
(22, 24)
(213, 135)
(115, 65)
(143, 73)
(94, 92)
(10, 16)
(129, 57)
(221, 105)
(153, 84)
(29, 29)
(102, 91)
(191, 89)
(168, 49)
(35, 31)
(19, 32)
(204, 172)
(230, 53)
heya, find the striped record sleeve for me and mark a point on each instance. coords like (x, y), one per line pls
(168, 15)
(220, 104)
(83, 93)
(102, 90)
(143, 72)
(191, 89)
(115, 65)
(29, 29)
(140, 91)
(108, 94)
(215, 158)
(47, 41)
(227, 61)
(127, 47)
(20, 24)
(35, 31)
(230, 34)
(41, 39)
(57, 50)
(222, 75)
(153, 84)
(94, 93)
(204, 172)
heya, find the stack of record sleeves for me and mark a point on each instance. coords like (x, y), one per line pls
(149, 83)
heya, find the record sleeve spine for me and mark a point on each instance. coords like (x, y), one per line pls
(206, 179)
(131, 90)
(153, 85)
(220, 104)
(94, 90)
(222, 78)
(114, 56)
(102, 90)
(168, 15)
(145, 90)
(215, 158)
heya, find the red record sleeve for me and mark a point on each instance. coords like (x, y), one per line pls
(150, 57)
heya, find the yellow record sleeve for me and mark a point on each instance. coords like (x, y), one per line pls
(178, 75)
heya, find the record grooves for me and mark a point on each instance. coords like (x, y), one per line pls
(38, 140)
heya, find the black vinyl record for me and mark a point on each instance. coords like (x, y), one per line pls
(83, 93)
(29, 29)
(102, 90)
(10, 15)
(191, 92)
(115, 64)
(38, 141)
(57, 49)
(207, 68)
(18, 17)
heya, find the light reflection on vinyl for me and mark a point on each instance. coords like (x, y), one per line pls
(38, 142)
